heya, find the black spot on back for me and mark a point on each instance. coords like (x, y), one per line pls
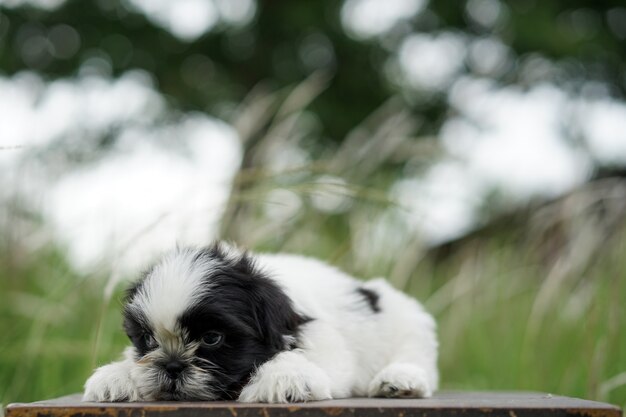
(371, 297)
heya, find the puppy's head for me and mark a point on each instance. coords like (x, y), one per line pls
(201, 320)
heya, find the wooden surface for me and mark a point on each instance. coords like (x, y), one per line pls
(443, 404)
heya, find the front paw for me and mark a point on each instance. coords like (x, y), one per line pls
(401, 380)
(111, 383)
(287, 378)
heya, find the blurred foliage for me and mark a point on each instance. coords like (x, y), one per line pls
(511, 316)
(215, 72)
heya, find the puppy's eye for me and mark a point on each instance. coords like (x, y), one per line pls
(150, 341)
(212, 339)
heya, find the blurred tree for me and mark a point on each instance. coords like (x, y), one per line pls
(286, 41)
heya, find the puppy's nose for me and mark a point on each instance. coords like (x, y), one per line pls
(174, 368)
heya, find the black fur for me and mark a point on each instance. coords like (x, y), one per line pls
(135, 324)
(243, 304)
(371, 297)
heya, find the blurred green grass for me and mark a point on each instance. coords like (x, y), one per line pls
(495, 331)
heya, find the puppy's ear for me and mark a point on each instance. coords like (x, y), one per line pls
(275, 318)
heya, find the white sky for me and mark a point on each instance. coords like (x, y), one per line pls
(431, 62)
(511, 141)
(147, 198)
(189, 19)
(34, 113)
(367, 18)
(604, 122)
(160, 186)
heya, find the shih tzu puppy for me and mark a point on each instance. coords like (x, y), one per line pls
(219, 323)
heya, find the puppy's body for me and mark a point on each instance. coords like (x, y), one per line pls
(290, 329)
(359, 329)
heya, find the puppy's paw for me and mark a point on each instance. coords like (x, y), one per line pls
(111, 383)
(401, 380)
(287, 378)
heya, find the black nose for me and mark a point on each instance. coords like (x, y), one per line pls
(174, 368)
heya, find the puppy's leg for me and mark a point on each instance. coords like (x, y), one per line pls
(320, 368)
(288, 377)
(401, 379)
(117, 381)
(411, 370)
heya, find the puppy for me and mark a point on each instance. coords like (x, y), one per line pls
(218, 323)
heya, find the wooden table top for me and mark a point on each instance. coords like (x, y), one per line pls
(443, 404)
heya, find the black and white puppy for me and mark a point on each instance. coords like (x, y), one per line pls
(218, 323)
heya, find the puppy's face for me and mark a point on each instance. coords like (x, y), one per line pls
(201, 321)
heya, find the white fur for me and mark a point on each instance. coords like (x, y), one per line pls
(172, 286)
(117, 380)
(346, 350)
(390, 353)
(289, 377)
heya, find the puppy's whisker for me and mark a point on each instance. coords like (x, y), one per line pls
(211, 372)
(206, 361)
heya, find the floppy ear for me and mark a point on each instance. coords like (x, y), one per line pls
(134, 321)
(275, 318)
